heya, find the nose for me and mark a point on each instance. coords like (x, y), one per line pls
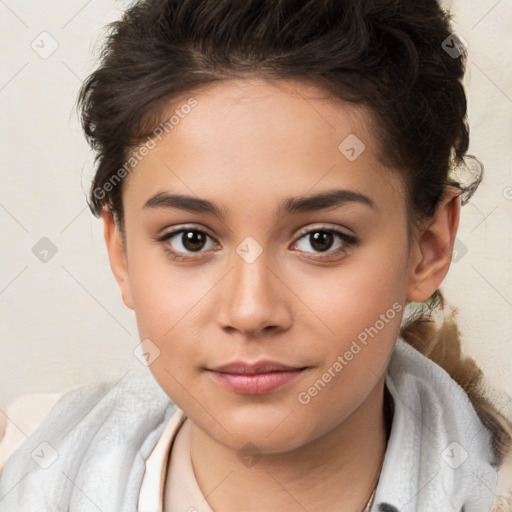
(254, 299)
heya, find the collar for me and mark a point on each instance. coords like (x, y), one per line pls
(153, 482)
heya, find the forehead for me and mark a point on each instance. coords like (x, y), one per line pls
(259, 110)
(264, 136)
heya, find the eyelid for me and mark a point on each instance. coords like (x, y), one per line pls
(185, 227)
(324, 227)
(300, 234)
(348, 242)
(347, 238)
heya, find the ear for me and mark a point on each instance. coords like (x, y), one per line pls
(117, 256)
(431, 254)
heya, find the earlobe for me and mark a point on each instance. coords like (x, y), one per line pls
(117, 256)
(432, 252)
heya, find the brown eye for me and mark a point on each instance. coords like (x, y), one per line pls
(324, 240)
(193, 240)
(321, 240)
(183, 242)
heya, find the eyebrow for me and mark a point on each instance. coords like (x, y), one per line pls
(302, 204)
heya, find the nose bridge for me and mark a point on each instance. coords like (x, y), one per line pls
(251, 277)
(252, 301)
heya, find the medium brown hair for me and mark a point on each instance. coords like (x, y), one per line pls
(389, 55)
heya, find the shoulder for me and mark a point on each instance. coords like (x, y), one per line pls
(99, 434)
(434, 422)
(22, 416)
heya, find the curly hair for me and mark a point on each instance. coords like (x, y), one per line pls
(391, 56)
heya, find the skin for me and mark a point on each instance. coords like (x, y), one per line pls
(247, 146)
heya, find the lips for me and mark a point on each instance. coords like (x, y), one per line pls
(243, 368)
(257, 378)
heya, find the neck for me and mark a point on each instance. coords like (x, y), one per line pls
(338, 470)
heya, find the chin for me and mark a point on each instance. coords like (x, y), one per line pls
(272, 429)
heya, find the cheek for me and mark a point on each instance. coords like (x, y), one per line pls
(360, 312)
(354, 361)
(166, 306)
(352, 297)
(164, 294)
(166, 303)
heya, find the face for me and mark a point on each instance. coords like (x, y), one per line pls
(289, 245)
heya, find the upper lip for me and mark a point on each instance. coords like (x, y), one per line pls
(241, 367)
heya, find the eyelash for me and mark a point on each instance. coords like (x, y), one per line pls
(348, 241)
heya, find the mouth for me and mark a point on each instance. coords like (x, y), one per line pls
(255, 379)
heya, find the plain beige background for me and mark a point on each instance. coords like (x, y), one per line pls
(63, 322)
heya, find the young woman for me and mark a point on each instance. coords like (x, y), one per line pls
(277, 184)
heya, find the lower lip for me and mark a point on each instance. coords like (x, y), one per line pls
(256, 384)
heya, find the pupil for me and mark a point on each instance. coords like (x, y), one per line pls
(321, 240)
(192, 240)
